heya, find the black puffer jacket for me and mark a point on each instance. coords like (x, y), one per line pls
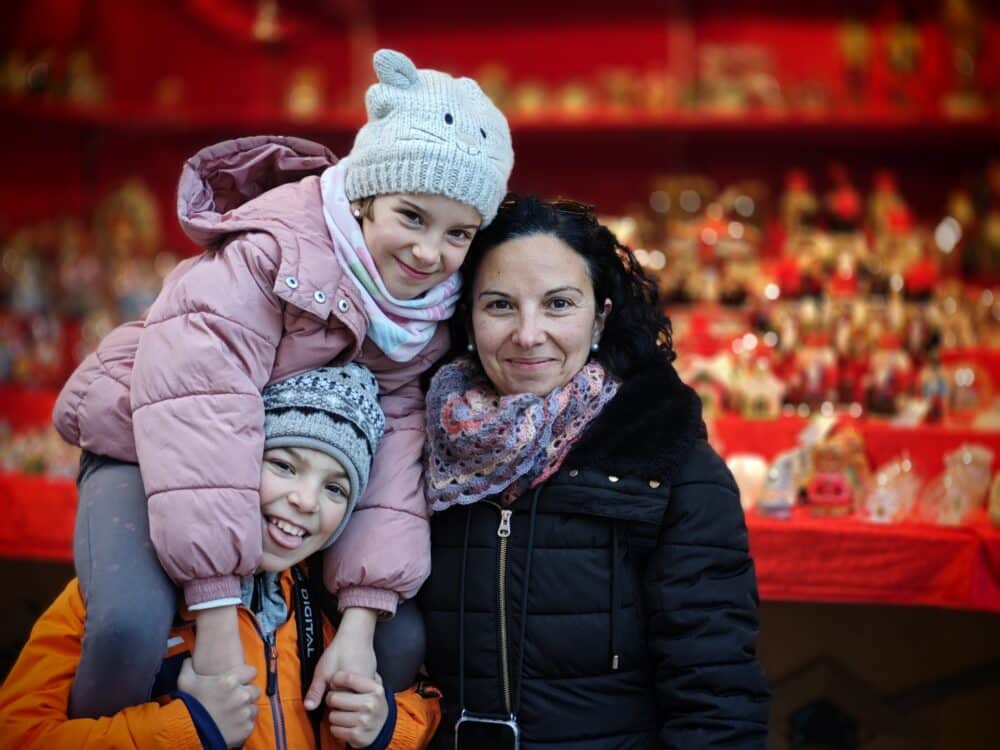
(641, 599)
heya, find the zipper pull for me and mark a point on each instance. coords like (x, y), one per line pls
(503, 530)
(271, 653)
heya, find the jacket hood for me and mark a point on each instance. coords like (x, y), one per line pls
(219, 179)
(648, 429)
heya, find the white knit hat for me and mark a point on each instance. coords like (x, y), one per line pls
(428, 132)
(334, 410)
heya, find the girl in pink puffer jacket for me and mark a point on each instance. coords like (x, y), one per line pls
(307, 261)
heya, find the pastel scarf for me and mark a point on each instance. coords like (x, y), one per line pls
(480, 443)
(400, 328)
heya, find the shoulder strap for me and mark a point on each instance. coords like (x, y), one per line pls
(309, 624)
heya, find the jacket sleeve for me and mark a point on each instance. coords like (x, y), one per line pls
(35, 695)
(418, 713)
(206, 353)
(702, 597)
(384, 556)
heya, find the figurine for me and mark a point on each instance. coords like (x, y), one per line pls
(891, 493)
(855, 51)
(799, 207)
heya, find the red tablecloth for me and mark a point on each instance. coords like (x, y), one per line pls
(847, 560)
(802, 559)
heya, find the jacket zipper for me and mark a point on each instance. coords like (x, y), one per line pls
(503, 531)
(274, 696)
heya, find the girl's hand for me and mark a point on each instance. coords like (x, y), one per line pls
(217, 648)
(351, 650)
(358, 708)
(230, 699)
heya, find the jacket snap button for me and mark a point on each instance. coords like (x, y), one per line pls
(612, 479)
(293, 283)
(654, 483)
(320, 296)
(573, 472)
(343, 305)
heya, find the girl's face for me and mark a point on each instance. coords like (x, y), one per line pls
(303, 499)
(534, 318)
(417, 240)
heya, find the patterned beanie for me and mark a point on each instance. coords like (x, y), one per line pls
(428, 132)
(334, 410)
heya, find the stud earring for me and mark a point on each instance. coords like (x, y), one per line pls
(357, 212)
(593, 346)
(470, 347)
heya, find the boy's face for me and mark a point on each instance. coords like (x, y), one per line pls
(303, 498)
(417, 241)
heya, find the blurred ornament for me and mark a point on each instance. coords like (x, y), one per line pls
(891, 492)
(84, 84)
(304, 98)
(855, 52)
(994, 503)
(964, 29)
(750, 472)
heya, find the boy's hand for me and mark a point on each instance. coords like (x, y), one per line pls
(358, 708)
(229, 698)
(217, 648)
(351, 650)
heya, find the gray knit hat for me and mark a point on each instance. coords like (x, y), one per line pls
(331, 409)
(428, 132)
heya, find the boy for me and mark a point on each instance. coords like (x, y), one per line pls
(321, 430)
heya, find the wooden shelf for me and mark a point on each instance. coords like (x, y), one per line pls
(552, 122)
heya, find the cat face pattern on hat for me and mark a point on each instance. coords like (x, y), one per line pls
(428, 132)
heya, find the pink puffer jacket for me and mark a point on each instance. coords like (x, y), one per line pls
(180, 391)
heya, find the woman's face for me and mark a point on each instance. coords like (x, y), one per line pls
(417, 241)
(303, 499)
(533, 314)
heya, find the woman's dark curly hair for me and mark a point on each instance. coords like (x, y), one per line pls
(636, 334)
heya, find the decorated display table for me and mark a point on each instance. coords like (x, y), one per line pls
(800, 559)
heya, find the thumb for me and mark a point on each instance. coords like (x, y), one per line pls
(245, 673)
(314, 695)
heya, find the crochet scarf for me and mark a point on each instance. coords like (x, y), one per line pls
(481, 443)
(400, 328)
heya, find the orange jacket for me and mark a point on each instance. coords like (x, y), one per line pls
(34, 697)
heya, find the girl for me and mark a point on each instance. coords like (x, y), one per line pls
(307, 260)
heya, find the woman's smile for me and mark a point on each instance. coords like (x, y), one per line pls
(534, 317)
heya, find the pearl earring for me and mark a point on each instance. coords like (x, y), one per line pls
(470, 347)
(593, 346)
(357, 212)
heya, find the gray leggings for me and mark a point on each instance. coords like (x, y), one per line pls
(131, 601)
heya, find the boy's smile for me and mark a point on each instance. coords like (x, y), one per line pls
(303, 499)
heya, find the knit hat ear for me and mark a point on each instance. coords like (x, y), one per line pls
(430, 133)
(395, 69)
(334, 410)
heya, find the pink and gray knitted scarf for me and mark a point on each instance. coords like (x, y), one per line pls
(481, 443)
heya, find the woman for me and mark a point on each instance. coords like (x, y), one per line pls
(590, 580)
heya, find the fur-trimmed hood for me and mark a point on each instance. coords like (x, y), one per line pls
(647, 430)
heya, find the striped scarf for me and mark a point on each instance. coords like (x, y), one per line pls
(400, 328)
(480, 443)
